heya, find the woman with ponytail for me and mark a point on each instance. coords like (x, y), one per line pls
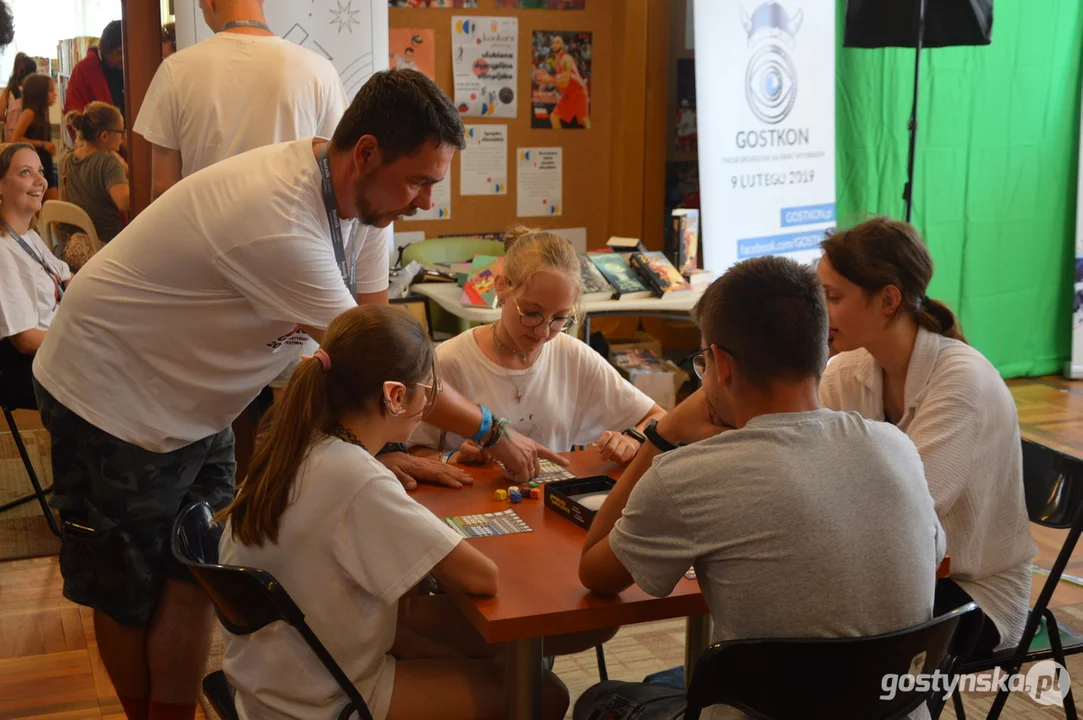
(94, 175)
(338, 530)
(904, 360)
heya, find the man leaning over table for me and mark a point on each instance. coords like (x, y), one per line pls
(799, 521)
(171, 330)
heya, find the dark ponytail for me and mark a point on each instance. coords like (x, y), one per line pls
(366, 347)
(882, 252)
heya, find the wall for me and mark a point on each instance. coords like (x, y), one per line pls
(40, 24)
(587, 153)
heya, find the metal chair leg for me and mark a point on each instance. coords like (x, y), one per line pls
(603, 673)
(1058, 654)
(30, 471)
(957, 702)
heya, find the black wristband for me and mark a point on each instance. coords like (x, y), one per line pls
(392, 447)
(635, 435)
(651, 432)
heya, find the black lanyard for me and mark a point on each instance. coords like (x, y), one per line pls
(348, 270)
(53, 274)
(245, 23)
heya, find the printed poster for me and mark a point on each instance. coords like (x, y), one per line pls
(484, 55)
(540, 181)
(560, 83)
(413, 49)
(433, 3)
(767, 166)
(483, 165)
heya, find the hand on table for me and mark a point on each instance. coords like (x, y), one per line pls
(520, 456)
(411, 469)
(616, 447)
(694, 419)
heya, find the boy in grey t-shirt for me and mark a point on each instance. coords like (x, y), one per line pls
(799, 521)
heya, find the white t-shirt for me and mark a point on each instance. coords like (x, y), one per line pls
(231, 93)
(571, 395)
(350, 544)
(168, 333)
(962, 418)
(27, 293)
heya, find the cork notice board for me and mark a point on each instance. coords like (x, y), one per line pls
(587, 152)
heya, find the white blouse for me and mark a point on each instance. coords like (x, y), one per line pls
(27, 293)
(962, 418)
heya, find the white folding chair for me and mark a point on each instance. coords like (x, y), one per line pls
(58, 211)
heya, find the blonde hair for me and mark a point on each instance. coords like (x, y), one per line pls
(529, 250)
(96, 118)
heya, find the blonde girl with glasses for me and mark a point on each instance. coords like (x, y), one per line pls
(338, 530)
(548, 384)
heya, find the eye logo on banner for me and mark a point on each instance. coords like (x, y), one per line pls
(771, 76)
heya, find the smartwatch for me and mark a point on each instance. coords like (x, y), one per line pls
(635, 435)
(651, 433)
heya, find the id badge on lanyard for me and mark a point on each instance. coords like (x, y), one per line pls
(347, 268)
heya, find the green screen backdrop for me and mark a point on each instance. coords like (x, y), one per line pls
(996, 172)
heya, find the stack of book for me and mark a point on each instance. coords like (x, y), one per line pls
(70, 52)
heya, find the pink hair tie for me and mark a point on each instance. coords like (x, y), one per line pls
(323, 357)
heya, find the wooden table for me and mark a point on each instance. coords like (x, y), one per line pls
(539, 592)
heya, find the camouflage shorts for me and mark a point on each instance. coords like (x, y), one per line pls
(128, 497)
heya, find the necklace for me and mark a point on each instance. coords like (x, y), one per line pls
(347, 436)
(501, 349)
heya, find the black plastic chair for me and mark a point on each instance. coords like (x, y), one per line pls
(7, 405)
(246, 599)
(830, 677)
(1053, 485)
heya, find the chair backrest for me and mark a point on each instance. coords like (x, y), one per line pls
(829, 677)
(1053, 484)
(59, 211)
(246, 599)
(441, 251)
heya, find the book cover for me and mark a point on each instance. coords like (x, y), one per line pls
(620, 275)
(480, 288)
(659, 272)
(686, 225)
(595, 286)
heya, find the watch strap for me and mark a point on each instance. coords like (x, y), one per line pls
(651, 432)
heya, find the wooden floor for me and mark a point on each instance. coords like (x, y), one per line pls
(50, 668)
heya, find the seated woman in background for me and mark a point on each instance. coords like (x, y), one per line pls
(551, 386)
(904, 360)
(338, 530)
(11, 99)
(39, 94)
(95, 177)
(32, 280)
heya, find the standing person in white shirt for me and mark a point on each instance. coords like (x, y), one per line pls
(904, 360)
(336, 528)
(32, 279)
(550, 385)
(241, 89)
(175, 326)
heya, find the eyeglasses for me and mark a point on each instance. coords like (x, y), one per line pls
(699, 359)
(535, 319)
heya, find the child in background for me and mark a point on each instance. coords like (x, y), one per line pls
(550, 385)
(95, 176)
(11, 99)
(39, 94)
(336, 528)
